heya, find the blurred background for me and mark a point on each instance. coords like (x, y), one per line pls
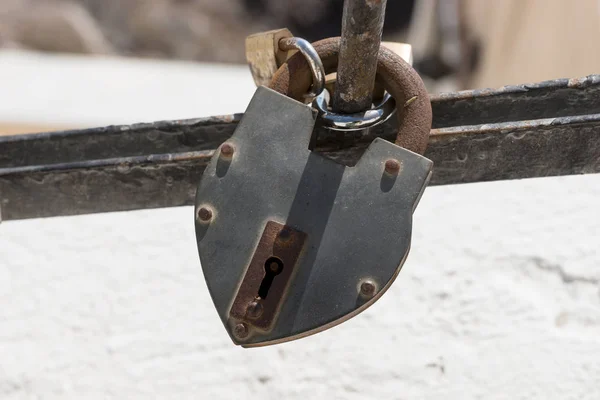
(485, 43)
(499, 298)
(457, 44)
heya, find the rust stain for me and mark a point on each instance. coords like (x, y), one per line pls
(276, 255)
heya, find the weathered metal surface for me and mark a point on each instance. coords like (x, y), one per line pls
(557, 98)
(405, 51)
(362, 25)
(84, 187)
(163, 137)
(396, 75)
(516, 150)
(110, 169)
(549, 99)
(261, 292)
(275, 177)
(353, 122)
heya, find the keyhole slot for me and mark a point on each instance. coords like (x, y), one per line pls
(273, 267)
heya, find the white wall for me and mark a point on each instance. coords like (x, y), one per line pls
(92, 91)
(499, 299)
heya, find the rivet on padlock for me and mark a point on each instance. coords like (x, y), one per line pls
(301, 243)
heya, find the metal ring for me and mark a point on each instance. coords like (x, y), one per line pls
(356, 121)
(399, 79)
(313, 59)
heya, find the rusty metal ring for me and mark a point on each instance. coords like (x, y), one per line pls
(312, 58)
(413, 106)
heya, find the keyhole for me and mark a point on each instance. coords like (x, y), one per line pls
(273, 267)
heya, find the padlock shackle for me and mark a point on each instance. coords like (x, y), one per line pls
(294, 79)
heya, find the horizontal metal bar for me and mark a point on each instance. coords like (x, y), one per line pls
(548, 147)
(551, 99)
(159, 165)
(516, 150)
(101, 186)
(116, 141)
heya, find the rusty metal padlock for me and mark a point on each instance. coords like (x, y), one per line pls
(291, 242)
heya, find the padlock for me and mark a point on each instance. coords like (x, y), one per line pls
(291, 242)
(264, 55)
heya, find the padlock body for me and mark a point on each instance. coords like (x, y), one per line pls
(331, 227)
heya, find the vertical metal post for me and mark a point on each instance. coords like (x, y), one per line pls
(362, 26)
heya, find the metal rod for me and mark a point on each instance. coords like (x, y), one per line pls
(545, 129)
(362, 26)
(541, 148)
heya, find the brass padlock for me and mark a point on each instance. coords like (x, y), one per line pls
(264, 55)
(404, 50)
